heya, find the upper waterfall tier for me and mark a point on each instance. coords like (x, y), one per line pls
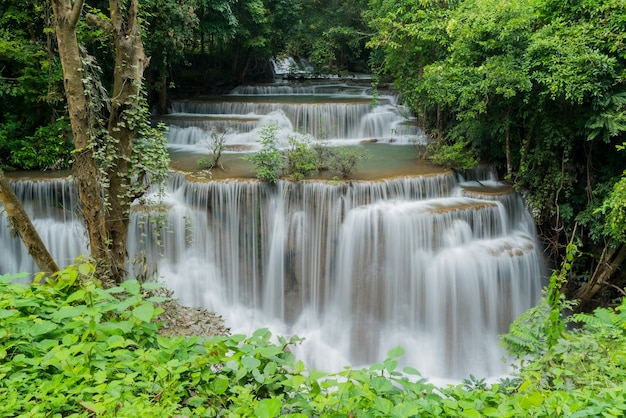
(335, 112)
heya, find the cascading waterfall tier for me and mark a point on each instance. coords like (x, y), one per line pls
(438, 266)
(337, 113)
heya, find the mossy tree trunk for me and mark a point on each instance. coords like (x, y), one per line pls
(105, 209)
(21, 223)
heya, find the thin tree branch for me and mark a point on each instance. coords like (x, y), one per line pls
(75, 13)
(98, 21)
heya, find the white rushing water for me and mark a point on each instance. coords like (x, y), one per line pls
(355, 268)
(432, 263)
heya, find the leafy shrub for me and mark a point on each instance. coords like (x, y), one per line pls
(71, 348)
(216, 144)
(456, 155)
(302, 159)
(48, 148)
(344, 160)
(268, 161)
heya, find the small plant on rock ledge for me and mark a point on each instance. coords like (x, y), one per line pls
(268, 161)
(216, 144)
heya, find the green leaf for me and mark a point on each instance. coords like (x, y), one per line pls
(68, 312)
(77, 295)
(250, 363)
(5, 313)
(268, 408)
(470, 413)
(131, 286)
(220, 384)
(383, 405)
(270, 351)
(395, 352)
(144, 312)
(411, 371)
(85, 269)
(41, 327)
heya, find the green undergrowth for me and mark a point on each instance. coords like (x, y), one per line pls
(70, 348)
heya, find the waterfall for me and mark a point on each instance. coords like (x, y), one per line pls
(418, 257)
(338, 112)
(437, 266)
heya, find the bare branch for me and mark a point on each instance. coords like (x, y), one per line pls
(98, 21)
(74, 15)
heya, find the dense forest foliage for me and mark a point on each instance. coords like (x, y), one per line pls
(536, 88)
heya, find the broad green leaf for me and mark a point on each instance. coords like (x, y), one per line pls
(77, 295)
(68, 312)
(5, 313)
(85, 269)
(131, 286)
(471, 413)
(395, 352)
(41, 327)
(220, 384)
(144, 312)
(250, 363)
(258, 376)
(270, 351)
(268, 408)
(411, 371)
(383, 405)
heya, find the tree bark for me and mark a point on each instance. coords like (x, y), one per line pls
(507, 140)
(85, 167)
(609, 264)
(130, 62)
(22, 224)
(106, 211)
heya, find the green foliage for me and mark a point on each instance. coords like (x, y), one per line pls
(31, 89)
(344, 160)
(457, 155)
(302, 159)
(526, 334)
(331, 34)
(48, 148)
(614, 208)
(541, 327)
(268, 161)
(71, 348)
(536, 87)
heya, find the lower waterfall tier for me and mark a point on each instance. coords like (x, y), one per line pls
(426, 262)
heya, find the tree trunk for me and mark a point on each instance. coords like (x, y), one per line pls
(507, 140)
(163, 89)
(66, 17)
(24, 227)
(609, 264)
(130, 62)
(107, 229)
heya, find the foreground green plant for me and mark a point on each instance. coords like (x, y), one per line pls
(72, 348)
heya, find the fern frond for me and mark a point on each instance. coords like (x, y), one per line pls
(526, 335)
